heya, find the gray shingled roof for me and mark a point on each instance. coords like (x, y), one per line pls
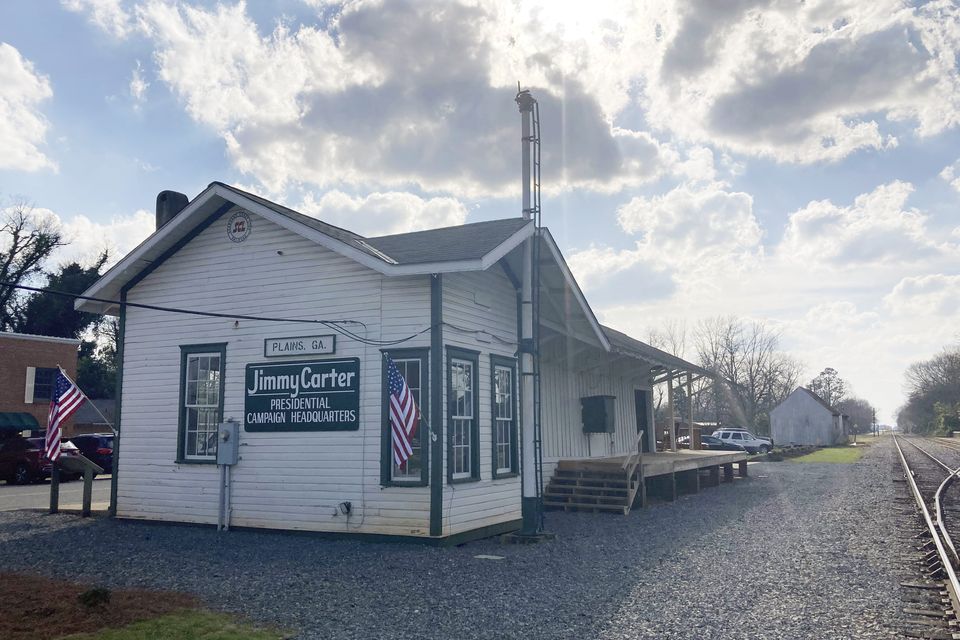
(821, 401)
(631, 346)
(87, 414)
(464, 242)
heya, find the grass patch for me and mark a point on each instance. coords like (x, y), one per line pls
(841, 455)
(39, 608)
(184, 625)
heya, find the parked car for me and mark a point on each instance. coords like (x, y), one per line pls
(67, 450)
(716, 444)
(750, 442)
(21, 460)
(97, 448)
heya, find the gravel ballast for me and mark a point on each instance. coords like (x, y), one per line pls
(794, 551)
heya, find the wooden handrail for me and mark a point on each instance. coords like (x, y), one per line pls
(630, 465)
(636, 443)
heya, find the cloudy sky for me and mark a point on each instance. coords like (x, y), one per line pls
(790, 161)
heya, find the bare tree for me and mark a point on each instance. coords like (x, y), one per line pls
(754, 375)
(859, 412)
(933, 394)
(26, 241)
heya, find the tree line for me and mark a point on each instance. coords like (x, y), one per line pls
(27, 242)
(752, 375)
(933, 395)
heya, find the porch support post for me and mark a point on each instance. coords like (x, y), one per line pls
(714, 476)
(694, 444)
(673, 416)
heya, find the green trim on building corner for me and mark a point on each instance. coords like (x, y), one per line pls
(186, 349)
(436, 405)
(118, 393)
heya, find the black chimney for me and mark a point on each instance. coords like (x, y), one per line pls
(169, 204)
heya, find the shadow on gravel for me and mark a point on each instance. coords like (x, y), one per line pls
(604, 575)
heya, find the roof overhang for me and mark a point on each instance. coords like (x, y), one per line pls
(574, 287)
(215, 201)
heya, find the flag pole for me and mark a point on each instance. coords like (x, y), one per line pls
(108, 423)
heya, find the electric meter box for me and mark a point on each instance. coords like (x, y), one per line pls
(228, 443)
(597, 413)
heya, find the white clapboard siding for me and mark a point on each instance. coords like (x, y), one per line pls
(483, 302)
(564, 380)
(283, 480)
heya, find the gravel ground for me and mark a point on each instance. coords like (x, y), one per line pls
(794, 551)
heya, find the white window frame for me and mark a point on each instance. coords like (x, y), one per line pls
(503, 412)
(188, 403)
(463, 419)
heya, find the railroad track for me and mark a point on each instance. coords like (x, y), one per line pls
(935, 602)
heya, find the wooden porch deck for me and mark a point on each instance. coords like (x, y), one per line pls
(660, 463)
(611, 485)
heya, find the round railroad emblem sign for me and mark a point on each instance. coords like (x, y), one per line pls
(239, 226)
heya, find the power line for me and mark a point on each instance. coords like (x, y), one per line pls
(334, 325)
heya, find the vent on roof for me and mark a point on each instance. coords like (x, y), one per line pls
(169, 204)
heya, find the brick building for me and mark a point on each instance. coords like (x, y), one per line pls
(28, 364)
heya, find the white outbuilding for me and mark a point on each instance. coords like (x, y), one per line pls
(804, 418)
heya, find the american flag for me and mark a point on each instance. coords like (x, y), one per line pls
(64, 402)
(404, 414)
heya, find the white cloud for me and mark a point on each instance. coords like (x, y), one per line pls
(22, 126)
(951, 173)
(394, 94)
(108, 15)
(927, 295)
(88, 238)
(798, 81)
(596, 263)
(866, 287)
(876, 229)
(694, 225)
(138, 86)
(384, 213)
(400, 93)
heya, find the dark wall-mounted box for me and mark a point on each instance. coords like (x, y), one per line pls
(598, 414)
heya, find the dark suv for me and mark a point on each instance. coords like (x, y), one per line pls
(97, 448)
(21, 461)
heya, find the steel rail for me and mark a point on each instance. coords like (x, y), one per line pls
(938, 500)
(953, 586)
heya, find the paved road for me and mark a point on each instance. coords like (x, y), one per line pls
(37, 496)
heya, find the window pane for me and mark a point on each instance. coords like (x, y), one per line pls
(43, 378)
(202, 405)
(411, 470)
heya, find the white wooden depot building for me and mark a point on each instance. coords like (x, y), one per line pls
(309, 397)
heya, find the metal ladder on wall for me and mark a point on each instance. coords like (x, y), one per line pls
(535, 214)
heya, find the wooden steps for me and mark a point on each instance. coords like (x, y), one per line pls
(590, 488)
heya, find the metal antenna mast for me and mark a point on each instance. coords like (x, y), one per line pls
(532, 450)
